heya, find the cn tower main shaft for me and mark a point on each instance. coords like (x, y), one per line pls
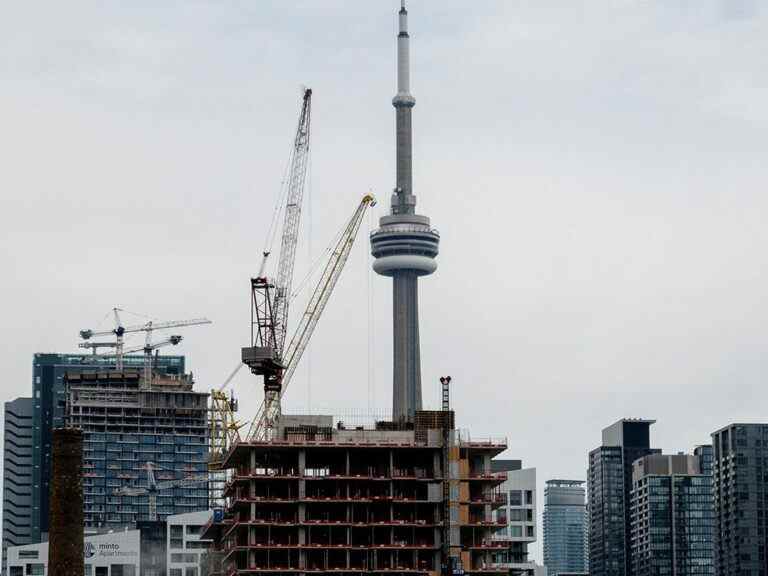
(405, 245)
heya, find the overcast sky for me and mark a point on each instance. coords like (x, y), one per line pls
(597, 170)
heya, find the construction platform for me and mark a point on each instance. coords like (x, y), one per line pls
(416, 499)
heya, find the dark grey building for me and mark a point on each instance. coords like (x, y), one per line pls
(609, 484)
(741, 500)
(705, 455)
(49, 395)
(17, 474)
(565, 527)
(672, 517)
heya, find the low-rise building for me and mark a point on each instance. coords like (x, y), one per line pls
(165, 548)
(518, 516)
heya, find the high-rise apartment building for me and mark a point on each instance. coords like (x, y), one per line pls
(128, 423)
(17, 474)
(741, 500)
(565, 527)
(49, 396)
(609, 485)
(672, 517)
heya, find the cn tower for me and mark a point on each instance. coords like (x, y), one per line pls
(405, 245)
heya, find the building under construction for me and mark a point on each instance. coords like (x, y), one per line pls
(126, 423)
(415, 498)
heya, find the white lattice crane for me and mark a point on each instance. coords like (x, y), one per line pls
(147, 348)
(224, 429)
(119, 331)
(153, 487)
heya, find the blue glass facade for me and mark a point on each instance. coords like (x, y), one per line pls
(49, 398)
(128, 424)
(114, 461)
(565, 527)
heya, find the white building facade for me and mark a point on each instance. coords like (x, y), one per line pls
(119, 553)
(521, 527)
(184, 544)
(116, 554)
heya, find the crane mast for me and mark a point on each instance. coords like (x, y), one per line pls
(290, 237)
(269, 412)
(270, 299)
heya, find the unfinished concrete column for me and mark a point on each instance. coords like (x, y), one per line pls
(65, 547)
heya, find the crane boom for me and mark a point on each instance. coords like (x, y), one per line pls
(119, 332)
(295, 194)
(146, 327)
(269, 411)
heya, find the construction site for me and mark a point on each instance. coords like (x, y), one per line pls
(406, 494)
(410, 494)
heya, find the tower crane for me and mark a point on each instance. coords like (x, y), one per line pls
(148, 348)
(224, 429)
(153, 487)
(263, 359)
(119, 331)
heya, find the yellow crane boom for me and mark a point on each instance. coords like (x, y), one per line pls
(269, 412)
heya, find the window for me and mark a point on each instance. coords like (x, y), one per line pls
(516, 515)
(175, 572)
(29, 554)
(516, 531)
(529, 497)
(191, 571)
(529, 531)
(515, 498)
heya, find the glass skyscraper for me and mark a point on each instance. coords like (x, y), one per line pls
(672, 517)
(49, 403)
(127, 424)
(609, 484)
(565, 527)
(741, 500)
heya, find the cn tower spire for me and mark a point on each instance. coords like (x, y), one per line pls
(405, 245)
(403, 201)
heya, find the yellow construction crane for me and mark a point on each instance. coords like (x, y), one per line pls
(262, 358)
(224, 429)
